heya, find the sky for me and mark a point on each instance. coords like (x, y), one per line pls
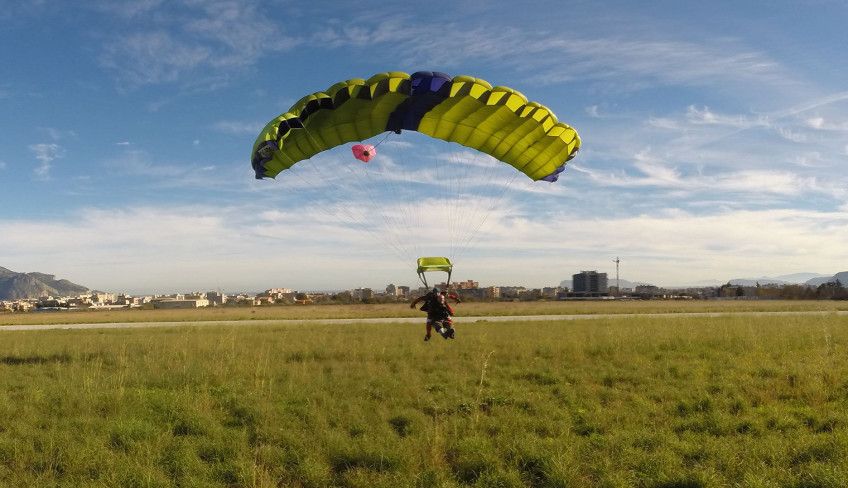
(715, 143)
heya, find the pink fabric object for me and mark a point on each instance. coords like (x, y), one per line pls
(364, 152)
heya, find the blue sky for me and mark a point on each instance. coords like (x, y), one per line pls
(715, 141)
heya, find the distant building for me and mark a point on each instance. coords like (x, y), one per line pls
(492, 292)
(216, 297)
(362, 294)
(403, 291)
(647, 291)
(590, 284)
(550, 291)
(392, 290)
(127, 300)
(466, 285)
(180, 303)
(511, 291)
(103, 297)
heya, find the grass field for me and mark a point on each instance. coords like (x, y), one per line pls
(662, 403)
(403, 310)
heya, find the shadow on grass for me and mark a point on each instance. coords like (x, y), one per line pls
(680, 484)
(344, 461)
(25, 360)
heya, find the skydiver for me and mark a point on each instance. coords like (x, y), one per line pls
(439, 312)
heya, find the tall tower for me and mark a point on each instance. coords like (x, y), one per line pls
(617, 284)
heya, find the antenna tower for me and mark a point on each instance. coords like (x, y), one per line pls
(617, 284)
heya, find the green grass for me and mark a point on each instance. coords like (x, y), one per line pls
(403, 310)
(659, 403)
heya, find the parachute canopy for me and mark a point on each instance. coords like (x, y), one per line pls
(498, 121)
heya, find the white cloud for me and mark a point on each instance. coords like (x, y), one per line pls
(695, 115)
(183, 248)
(398, 144)
(123, 143)
(2, 165)
(665, 123)
(58, 134)
(812, 159)
(655, 173)
(46, 154)
(202, 41)
(128, 8)
(675, 247)
(554, 57)
(815, 122)
(237, 127)
(154, 57)
(147, 173)
(791, 135)
(820, 123)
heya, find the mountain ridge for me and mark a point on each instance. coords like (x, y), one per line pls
(18, 286)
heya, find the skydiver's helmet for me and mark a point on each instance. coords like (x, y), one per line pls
(436, 290)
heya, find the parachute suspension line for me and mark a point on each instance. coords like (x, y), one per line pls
(344, 209)
(397, 184)
(445, 193)
(398, 212)
(468, 172)
(495, 203)
(396, 247)
(390, 222)
(388, 133)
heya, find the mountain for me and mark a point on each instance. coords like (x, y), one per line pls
(15, 286)
(841, 276)
(788, 279)
(763, 280)
(800, 278)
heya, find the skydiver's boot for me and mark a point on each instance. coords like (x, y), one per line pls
(451, 333)
(426, 337)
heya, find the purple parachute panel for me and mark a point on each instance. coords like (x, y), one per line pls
(555, 175)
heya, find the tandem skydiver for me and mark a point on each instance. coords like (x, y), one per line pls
(439, 312)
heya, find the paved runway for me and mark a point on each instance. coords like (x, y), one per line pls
(408, 320)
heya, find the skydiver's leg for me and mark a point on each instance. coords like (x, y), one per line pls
(449, 330)
(443, 328)
(429, 330)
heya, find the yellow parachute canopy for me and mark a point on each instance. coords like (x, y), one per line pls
(498, 121)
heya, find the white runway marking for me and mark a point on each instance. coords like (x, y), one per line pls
(410, 320)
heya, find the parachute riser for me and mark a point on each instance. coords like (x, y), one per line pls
(423, 278)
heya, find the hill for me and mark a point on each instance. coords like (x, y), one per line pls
(841, 276)
(16, 286)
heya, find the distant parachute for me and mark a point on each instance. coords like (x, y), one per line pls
(498, 121)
